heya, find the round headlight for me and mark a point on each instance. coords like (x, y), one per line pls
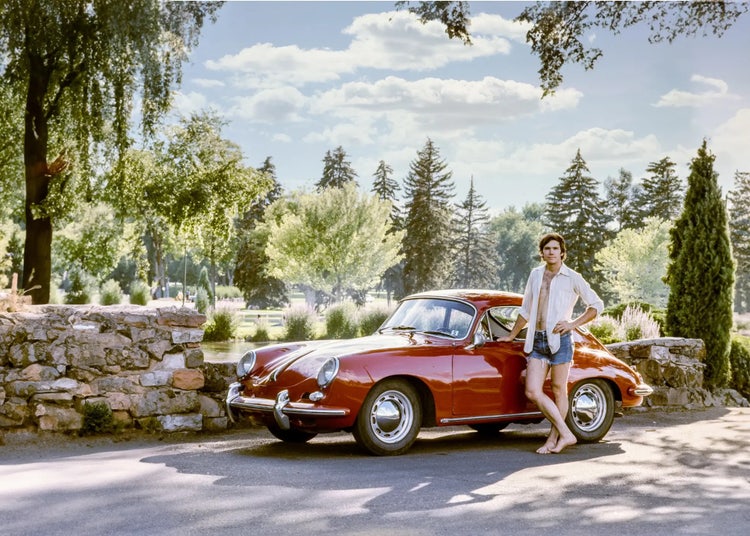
(246, 363)
(328, 372)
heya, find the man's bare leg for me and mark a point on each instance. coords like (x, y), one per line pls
(536, 373)
(559, 378)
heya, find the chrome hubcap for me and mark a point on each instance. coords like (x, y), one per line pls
(391, 416)
(587, 407)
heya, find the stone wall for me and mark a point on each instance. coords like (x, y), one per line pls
(144, 363)
(674, 368)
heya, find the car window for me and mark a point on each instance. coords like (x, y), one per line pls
(501, 320)
(450, 318)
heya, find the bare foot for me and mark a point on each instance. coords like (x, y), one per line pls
(549, 444)
(544, 449)
(562, 442)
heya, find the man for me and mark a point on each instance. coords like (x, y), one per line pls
(548, 302)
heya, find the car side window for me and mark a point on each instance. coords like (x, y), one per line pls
(505, 317)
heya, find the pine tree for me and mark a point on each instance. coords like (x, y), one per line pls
(618, 197)
(660, 194)
(574, 209)
(428, 242)
(385, 188)
(739, 226)
(701, 270)
(337, 170)
(476, 262)
(251, 275)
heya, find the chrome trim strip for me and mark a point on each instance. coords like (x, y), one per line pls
(491, 417)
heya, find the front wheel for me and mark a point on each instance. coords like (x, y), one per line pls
(592, 410)
(292, 435)
(390, 418)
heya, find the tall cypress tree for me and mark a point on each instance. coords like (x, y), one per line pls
(575, 210)
(428, 241)
(337, 170)
(701, 270)
(739, 227)
(476, 262)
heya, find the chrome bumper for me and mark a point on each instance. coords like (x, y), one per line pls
(281, 407)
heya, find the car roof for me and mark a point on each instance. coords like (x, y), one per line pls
(479, 297)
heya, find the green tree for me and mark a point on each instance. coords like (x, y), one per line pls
(476, 262)
(574, 209)
(701, 270)
(618, 200)
(739, 227)
(660, 194)
(559, 32)
(252, 277)
(634, 263)
(428, 240)
(517, 237)
(386, 188)
(77, 67)
(333, 241)
(337, 170)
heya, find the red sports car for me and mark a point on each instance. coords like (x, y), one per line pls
(433, 362)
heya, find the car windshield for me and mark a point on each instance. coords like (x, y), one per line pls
(446, 318)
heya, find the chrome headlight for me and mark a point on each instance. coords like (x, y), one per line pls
(328, 372)
(246, 363)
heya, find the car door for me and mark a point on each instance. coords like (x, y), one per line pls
(489, 379)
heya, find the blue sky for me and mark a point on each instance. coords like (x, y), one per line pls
(296, 79)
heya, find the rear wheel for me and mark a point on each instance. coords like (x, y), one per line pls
(292, 435)
(390, 418)
(592, 410)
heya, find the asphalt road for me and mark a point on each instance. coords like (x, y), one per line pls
(657, 473)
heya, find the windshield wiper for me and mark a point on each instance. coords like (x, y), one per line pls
(441, 333)
(397, 328)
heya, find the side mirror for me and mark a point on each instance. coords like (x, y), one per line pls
(478, 342)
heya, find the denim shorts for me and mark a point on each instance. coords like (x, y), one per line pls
(542, 351)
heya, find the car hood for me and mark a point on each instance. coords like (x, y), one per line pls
(306, 358)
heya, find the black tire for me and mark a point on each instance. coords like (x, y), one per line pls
(489, 429)
(292, 435)
(390, 418)
(592, 410)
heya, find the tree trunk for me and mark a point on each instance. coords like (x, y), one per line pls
(37, 253)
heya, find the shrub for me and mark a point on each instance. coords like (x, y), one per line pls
(341, 321)
(97, 419)
(658, 315)
(371, 318)
(605, 328)
(638, 324)
(226, 292)
(221, 326)
(139, 293)
(81, 287)
(300, 324)
(205, 284)
(739, 358)
(261, 333)
(110, 293)
(201, 300)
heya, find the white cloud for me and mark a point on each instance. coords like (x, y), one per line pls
(271, 106)
(730, 144)
(717, 89)
(208, 82)
(188, 103)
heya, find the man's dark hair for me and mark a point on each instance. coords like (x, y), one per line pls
(549, 237)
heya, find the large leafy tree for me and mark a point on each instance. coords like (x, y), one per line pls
(476, 259)
(701, 270)
(251, 276)
(618, 199)
(77, 66)
(559, 32)
(575, 210)
(739, 226)
(334, 241)
(660, 193)
(634, 263)
(337, 170)
(517, 237)
(428, 240)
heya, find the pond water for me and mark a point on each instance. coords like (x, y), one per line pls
(226, 351)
